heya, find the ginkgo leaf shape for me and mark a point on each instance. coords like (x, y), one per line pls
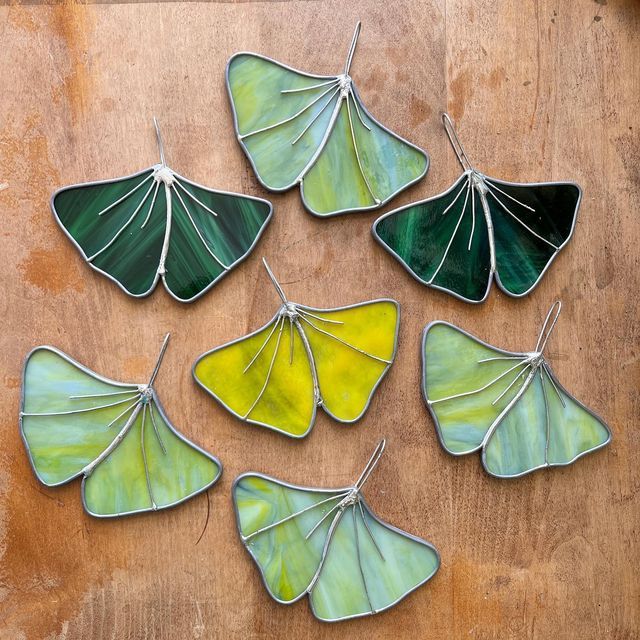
(303, 358)
(481, 228)
(508, 404)
(75, 422)
(329, 544)
(156, 224)
(314, 130)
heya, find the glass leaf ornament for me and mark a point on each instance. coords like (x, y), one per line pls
(509, 405)
(303, 358)
(301, 128)
(329, 544)
(155, 224)
(481, 228)
(75, 423)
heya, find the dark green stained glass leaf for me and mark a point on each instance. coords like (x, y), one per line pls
(512, 231)
(523, 254)
(94, 214)
(442, 241)
(204, 245)
(482, 227)
(120, 226)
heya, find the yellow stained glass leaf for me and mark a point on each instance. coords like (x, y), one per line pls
(304, 358)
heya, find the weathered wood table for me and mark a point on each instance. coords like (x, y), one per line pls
(540, 90)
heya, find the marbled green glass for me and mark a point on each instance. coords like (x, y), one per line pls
(314, 130)
(329, 544)
(479, 228)
(116, 436)
(157, 224)
(508, 404)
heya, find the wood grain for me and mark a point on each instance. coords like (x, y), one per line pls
(541, 90)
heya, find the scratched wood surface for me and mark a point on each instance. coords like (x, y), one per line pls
(541, 91)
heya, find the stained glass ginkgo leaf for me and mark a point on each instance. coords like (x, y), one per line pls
(481, 228)
(300, 128)
(509, 405)
(303, 358)
(156, 225)
(116, 436)
(329, 544)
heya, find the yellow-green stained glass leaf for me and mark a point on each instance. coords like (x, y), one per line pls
(508, 404)
(456, 363)
(314, 130)
(304, 358)
(371, 566)
(75, 422)
(329, 544)
(546, 427)
(287, 559)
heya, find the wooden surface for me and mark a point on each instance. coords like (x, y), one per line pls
(541, 91)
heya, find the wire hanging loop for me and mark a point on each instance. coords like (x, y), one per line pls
(276, 284)
(159, 139)
(165, 343)
(352, 48)
(371, 465)
(548, 326)
(450, 130)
